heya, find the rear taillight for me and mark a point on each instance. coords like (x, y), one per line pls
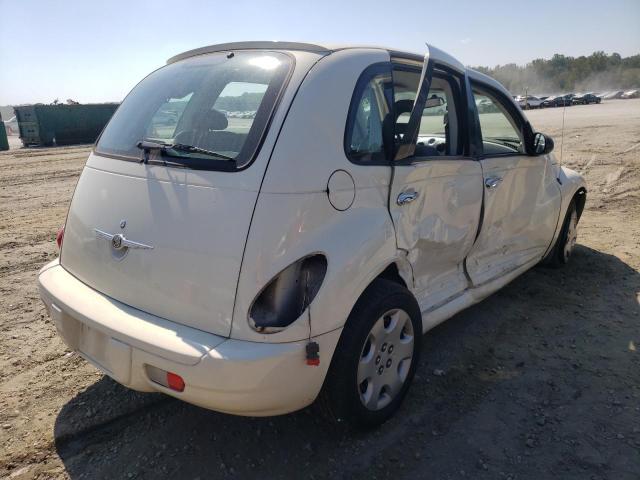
(166, 379)
(175, 382)
(60, 237)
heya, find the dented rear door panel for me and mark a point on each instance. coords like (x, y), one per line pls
(438, 228)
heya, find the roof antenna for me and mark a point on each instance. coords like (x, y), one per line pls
(564, 109)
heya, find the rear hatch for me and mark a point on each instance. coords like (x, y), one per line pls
(161, 212)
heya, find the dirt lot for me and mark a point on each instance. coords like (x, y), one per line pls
(541, 380)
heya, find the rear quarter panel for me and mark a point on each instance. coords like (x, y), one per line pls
(294, 217)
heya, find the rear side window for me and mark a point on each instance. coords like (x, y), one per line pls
(438, 132)
(433, 116)
(219, 103)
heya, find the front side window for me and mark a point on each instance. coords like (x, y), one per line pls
(500, 133)
(200, 111)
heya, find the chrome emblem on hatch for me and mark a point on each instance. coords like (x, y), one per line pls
(116, 242)
(120, 242)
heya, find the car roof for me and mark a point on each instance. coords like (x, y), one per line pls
(439, 56)
(435, 53)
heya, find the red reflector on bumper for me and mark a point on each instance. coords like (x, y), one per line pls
(175, 382)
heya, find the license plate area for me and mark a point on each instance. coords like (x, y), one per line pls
(94, 344)
(110, 355)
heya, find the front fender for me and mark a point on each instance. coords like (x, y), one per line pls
(570, 183)
(359, 243)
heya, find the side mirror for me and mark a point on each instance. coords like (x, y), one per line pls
(542, 144)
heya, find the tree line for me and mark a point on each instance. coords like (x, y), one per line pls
(597, 72)
(247, 102)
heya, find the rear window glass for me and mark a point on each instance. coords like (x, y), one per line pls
(219, 104)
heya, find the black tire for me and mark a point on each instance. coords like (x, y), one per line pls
(341, 394)
(559, 256)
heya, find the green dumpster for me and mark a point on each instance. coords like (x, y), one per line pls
(4, 141)
(44, 125)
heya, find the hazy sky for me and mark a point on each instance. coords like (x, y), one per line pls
(94, 51)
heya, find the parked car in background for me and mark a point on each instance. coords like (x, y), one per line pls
(166, 118)
(251, 271)
(11, 126)
(550, 101)
(484, 105)
(529, 101)
(631, 94)
(585, 99)
(568, 99)
(613, 94)
(558, 101)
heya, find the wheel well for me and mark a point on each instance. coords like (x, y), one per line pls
(392, 274)
(580, 198)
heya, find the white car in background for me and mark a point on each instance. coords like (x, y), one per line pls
(251, 271)
(11, 126)
(529, 101)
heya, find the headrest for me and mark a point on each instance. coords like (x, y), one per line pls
(215, 120)
(403, 106)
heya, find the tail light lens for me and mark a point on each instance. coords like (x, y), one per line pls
(288, 295)
(167, 379)
(175, 382)
(60, 237)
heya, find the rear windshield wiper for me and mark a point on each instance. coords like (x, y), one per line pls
(146, 146)
(190, 148)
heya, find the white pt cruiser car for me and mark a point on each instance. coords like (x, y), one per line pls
(264, 223)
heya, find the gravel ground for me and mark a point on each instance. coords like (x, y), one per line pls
(541, 380)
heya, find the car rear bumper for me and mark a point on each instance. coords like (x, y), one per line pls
(232, 376)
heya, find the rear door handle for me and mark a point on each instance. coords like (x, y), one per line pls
(492, 182)
(407, 196)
